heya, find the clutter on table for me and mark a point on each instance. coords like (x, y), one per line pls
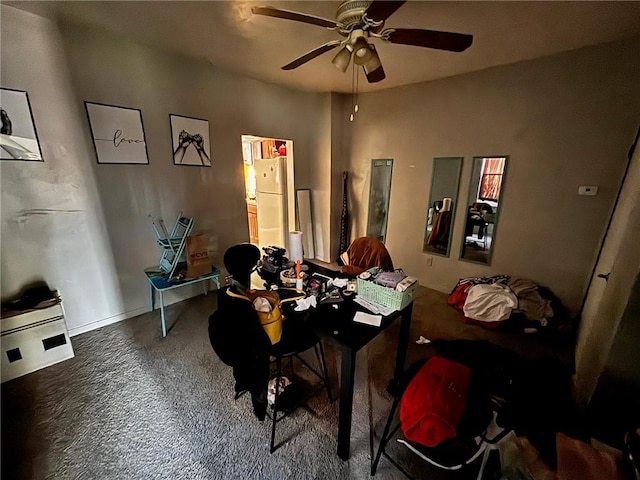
(379, 290)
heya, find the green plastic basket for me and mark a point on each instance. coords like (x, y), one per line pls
(387, 297)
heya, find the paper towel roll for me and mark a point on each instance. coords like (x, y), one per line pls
(295, 246)
(446, 204)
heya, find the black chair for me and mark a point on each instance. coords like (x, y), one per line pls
(478, 422)
(296, 339)
(240, 261)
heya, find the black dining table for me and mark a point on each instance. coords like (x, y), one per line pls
(334, 323)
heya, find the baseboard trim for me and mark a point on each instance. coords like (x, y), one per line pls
(108, 321)
(435, 286)
(87, 327)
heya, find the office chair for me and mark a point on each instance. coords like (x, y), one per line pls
(477, 433)
(226, 326)
(482, 230)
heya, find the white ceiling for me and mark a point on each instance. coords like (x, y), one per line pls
(228, 35)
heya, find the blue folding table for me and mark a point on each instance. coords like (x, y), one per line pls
(159, 282)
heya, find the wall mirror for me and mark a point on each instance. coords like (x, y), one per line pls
(305, 221)
(379, 192)
(483, 208)
(443, 198)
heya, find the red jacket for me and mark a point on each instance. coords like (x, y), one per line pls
(434, 401)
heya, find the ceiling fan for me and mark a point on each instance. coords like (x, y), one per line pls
(358, 21)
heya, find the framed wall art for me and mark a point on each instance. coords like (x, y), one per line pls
(117, 134)
(18, 137)
(190, 138)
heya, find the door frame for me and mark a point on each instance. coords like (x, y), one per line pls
(290, 217)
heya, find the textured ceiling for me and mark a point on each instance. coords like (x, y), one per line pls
(226, 34)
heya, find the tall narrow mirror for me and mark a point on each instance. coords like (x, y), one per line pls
(483, 207)
(379, 192)
(443, 198)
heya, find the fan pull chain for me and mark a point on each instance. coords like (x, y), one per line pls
(353, 74)
(355, 107)
(354, 92)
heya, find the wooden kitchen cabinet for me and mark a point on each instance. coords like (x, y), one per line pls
(252, 214)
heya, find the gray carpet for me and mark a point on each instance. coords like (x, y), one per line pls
(132, 405)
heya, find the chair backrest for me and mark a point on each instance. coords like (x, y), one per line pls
(173, 244)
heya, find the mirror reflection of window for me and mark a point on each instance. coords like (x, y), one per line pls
(443, 198)
(483, 205)
(379, 193)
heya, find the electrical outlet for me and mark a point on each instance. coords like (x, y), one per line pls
(429, 261)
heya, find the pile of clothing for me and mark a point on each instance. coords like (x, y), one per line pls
(501, 299)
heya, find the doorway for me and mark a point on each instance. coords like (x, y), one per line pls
(269, 189)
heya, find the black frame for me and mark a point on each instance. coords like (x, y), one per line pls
(93, 140)
(173, 147)
(33, 123)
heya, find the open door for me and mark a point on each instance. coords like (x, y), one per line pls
(617, 267)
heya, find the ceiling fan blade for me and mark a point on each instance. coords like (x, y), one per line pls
(376, 75)
(454, 42)
(373, 68)
(312, 54)
(382, 9)
(298, 17)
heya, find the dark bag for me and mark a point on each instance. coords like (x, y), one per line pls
(30, 298)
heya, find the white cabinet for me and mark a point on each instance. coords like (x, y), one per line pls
(33, 340)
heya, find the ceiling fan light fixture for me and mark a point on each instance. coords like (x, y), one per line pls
(342, 58)
(361, 51)
(373, 62)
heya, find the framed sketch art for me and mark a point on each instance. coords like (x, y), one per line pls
(190, 141)
(18, 137)
(117, 133)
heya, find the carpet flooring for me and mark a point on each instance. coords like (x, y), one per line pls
(132, 405)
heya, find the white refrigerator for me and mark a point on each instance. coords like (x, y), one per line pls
(271, 200)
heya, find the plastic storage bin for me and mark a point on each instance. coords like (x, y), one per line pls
(388, 297)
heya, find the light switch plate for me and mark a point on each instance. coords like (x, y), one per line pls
(589, 190)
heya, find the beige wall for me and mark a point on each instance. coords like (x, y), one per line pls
(53, 226)
(340, 158)
(94, 238)
(565, 121)
(319, 167)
